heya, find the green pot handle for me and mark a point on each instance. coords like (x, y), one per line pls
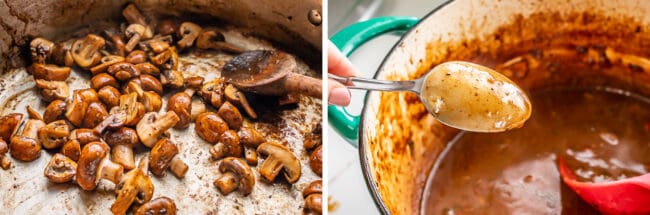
(349, 39)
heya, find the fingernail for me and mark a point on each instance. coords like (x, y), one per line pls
(339, 96)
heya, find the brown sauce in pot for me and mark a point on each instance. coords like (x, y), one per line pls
(602, 133)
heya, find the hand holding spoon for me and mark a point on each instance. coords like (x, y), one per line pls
(462, 95)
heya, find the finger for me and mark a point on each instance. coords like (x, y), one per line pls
(338, 94)
(338, 64)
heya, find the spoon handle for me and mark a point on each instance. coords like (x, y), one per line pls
(374, 84)
(303, 84)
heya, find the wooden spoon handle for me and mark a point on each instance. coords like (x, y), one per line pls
(303, 84)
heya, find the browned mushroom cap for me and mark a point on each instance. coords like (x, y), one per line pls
(313, 195)
(157, 206)
(152, 101)
(156, 45)
(279, 158)
(78, 137)
(122, 142)
(134, 32)
(77, 107)
(60, 169)
(54, 134)
(49, 72)
(150, 83)
(147, 68)
(212, 92)
(172, 78)
(181, 104)
(136, 57)
(314, 138)
(135, 187)
(54, 111)
(106, 62)
(110, 96)
(228, 146)
(188, 32)
(167, 60)
(166, 27)
(231, 115)
(95, 114)
(25, 145)
(133, 15)
(53, 90)
(236, 174)
(33, 114)
(209, 126)
(101, 80)
(163, 156)
(84, 51)
(5, 162)
(213, 39)
(8, 125)
(40, 49)
(235, 96)
(94, 164)
(153, 125)
(123, 71)
(251, 139)
(71, 149)
(316, 161)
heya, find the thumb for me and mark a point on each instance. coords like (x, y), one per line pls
(338, 94)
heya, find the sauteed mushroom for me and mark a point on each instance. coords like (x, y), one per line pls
(101, 80)
(235, 96)
(8, 124)
(231, 115)
(94, 164)
(209, 126)
(117, 42)
(61, 54)
(236, 174)
(53, 90)
(181, 104)
(49, 72)
(156, 45)
(136, 57)
(85, 51)
(147, 68)
(152, 101)
(313, 195)
(148, 83)
(123, 71)
(133, 110)
(213, 39)
(166, 27)
(157, 206)
(77, 107)
(95, 114)
(198, 107)
(212, 92)
(135, 187)
(78, 137)
(40, 49)
(122, 142)
(5, 162)
(316, 161)
(188, 32)
(25, 145)
(228, 146)
(134, 32)
(164, 155)
(153, 125)
(106, 62)
(54, 134)
(251, 140)
(279, 158)
(55, 110)
(133, 15)
(110, 96)
(60, 169)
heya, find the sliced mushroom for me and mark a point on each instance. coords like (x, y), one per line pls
(236, 174)
(95, 114)
(110, 96)
(77, 107)
(41, 49)
(25, 145)
(235, 96)
(85, 51)
(251, 139)
(231, 115)
(134, 32)
(316, 161)
(54, 134)
(71, 149)
(213, 39)
(117, 42)
(49, 72)
(122, 142)
(209, 126)
(33, 114)
(172, 78)
(78, 137)
(54, 111)
(106, 62)
(5, 162)
(163, 156)
(167, 60)
(135, 187)
(313, 195)
(153, 125)
(133, 110)
(53, 90)
(9, 124)
(60, 169)
(101, 80)
(133, 15)
(136, 57)
(181, 104)
(156, 45)
(147, 68)
(61, 54)
(152, 101)
(212, 92)
(228, 146)
(279, 158)
(157, 206)
(94, 164)
(188, 32)
(123, 71)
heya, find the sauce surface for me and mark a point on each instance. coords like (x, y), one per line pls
(602, 135)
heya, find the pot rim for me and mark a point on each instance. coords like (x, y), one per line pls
(365, 166)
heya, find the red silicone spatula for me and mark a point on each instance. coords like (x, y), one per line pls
(627, 196)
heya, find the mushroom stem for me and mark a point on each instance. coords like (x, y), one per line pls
(5, 162)
(123, 155)
(227, 183)
(270, 168)
(110, 170)
(250, 154)
(218, 151)
(178, 167)
(247, 107)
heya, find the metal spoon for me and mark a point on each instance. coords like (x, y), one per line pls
(462, 95)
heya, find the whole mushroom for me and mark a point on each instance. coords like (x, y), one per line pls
(54, 134)
(60, 169)
(251, 139)
(228, 146)
(188, 32)
(94, 164)
(231, 115)
(158, 206)
(212, 92)
(136, 57)
(133, 15)
(181, 104)
(103, 79)
(236, 175)
(25, 145)
(122, 142)
(313, 195)
(134, 187)
(166, 27)
(153, 125)
(109, 95)
(209, 126)
(279, 158)
(163, 156)
(213, 39)
(134, 32)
